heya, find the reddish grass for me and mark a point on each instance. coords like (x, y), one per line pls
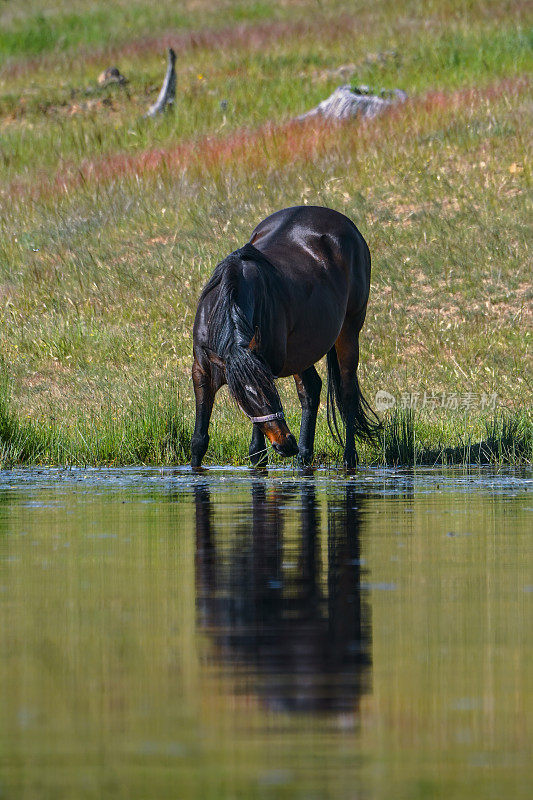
(278, 144)
(462, 98)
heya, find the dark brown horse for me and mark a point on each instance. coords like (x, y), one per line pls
(296, 292)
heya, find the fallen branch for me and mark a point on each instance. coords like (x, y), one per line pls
(168, 90)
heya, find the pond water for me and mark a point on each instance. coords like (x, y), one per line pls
(278, 635)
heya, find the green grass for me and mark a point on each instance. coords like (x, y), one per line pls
(413, 439)
(110, 224)
(150, 431)
(63, 117)
(90, 24)
(155, 429)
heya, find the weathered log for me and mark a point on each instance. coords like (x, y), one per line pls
(355, 101)
(168, 90)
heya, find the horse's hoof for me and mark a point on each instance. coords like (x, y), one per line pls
(260, 472)
(258, 460)
(350, 460)
(199, 445)
(305, 458)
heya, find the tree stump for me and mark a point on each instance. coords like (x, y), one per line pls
(348, 102)
(168, 90)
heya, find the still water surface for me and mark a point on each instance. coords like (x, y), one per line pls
(238, 635)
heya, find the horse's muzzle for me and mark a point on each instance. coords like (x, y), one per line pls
(287, 448)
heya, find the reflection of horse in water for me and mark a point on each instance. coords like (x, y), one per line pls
(304, 642)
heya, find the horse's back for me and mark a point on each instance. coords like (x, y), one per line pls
(324, 265)
(313, 242)
(301, 224)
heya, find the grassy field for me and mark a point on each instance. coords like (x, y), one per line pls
(110, 224)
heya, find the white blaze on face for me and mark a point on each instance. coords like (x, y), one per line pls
(251, 390)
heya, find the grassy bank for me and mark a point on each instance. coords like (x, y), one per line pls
(155, 430)
(110, 224)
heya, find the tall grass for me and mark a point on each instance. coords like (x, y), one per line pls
(509, 438)
(110, 224)
(151, 430)
(155, 430)
(399, 438)
(411, 439)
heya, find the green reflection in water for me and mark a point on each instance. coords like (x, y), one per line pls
(223, 637)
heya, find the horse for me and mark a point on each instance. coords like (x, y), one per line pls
(298, 290)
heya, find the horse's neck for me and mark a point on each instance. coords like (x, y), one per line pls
(249, 295)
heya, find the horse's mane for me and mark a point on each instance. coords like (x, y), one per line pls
(230, 332)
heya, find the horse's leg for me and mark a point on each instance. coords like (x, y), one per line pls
(347, 348)
(308, 386)
(204, 393)
(257, 450)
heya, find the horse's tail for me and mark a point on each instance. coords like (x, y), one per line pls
(366, 422)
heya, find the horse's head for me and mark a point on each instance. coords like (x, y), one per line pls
(263, 407)
(251, 383)
(261, 402)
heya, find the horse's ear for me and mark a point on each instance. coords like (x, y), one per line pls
(255, 344)
(215, 359)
